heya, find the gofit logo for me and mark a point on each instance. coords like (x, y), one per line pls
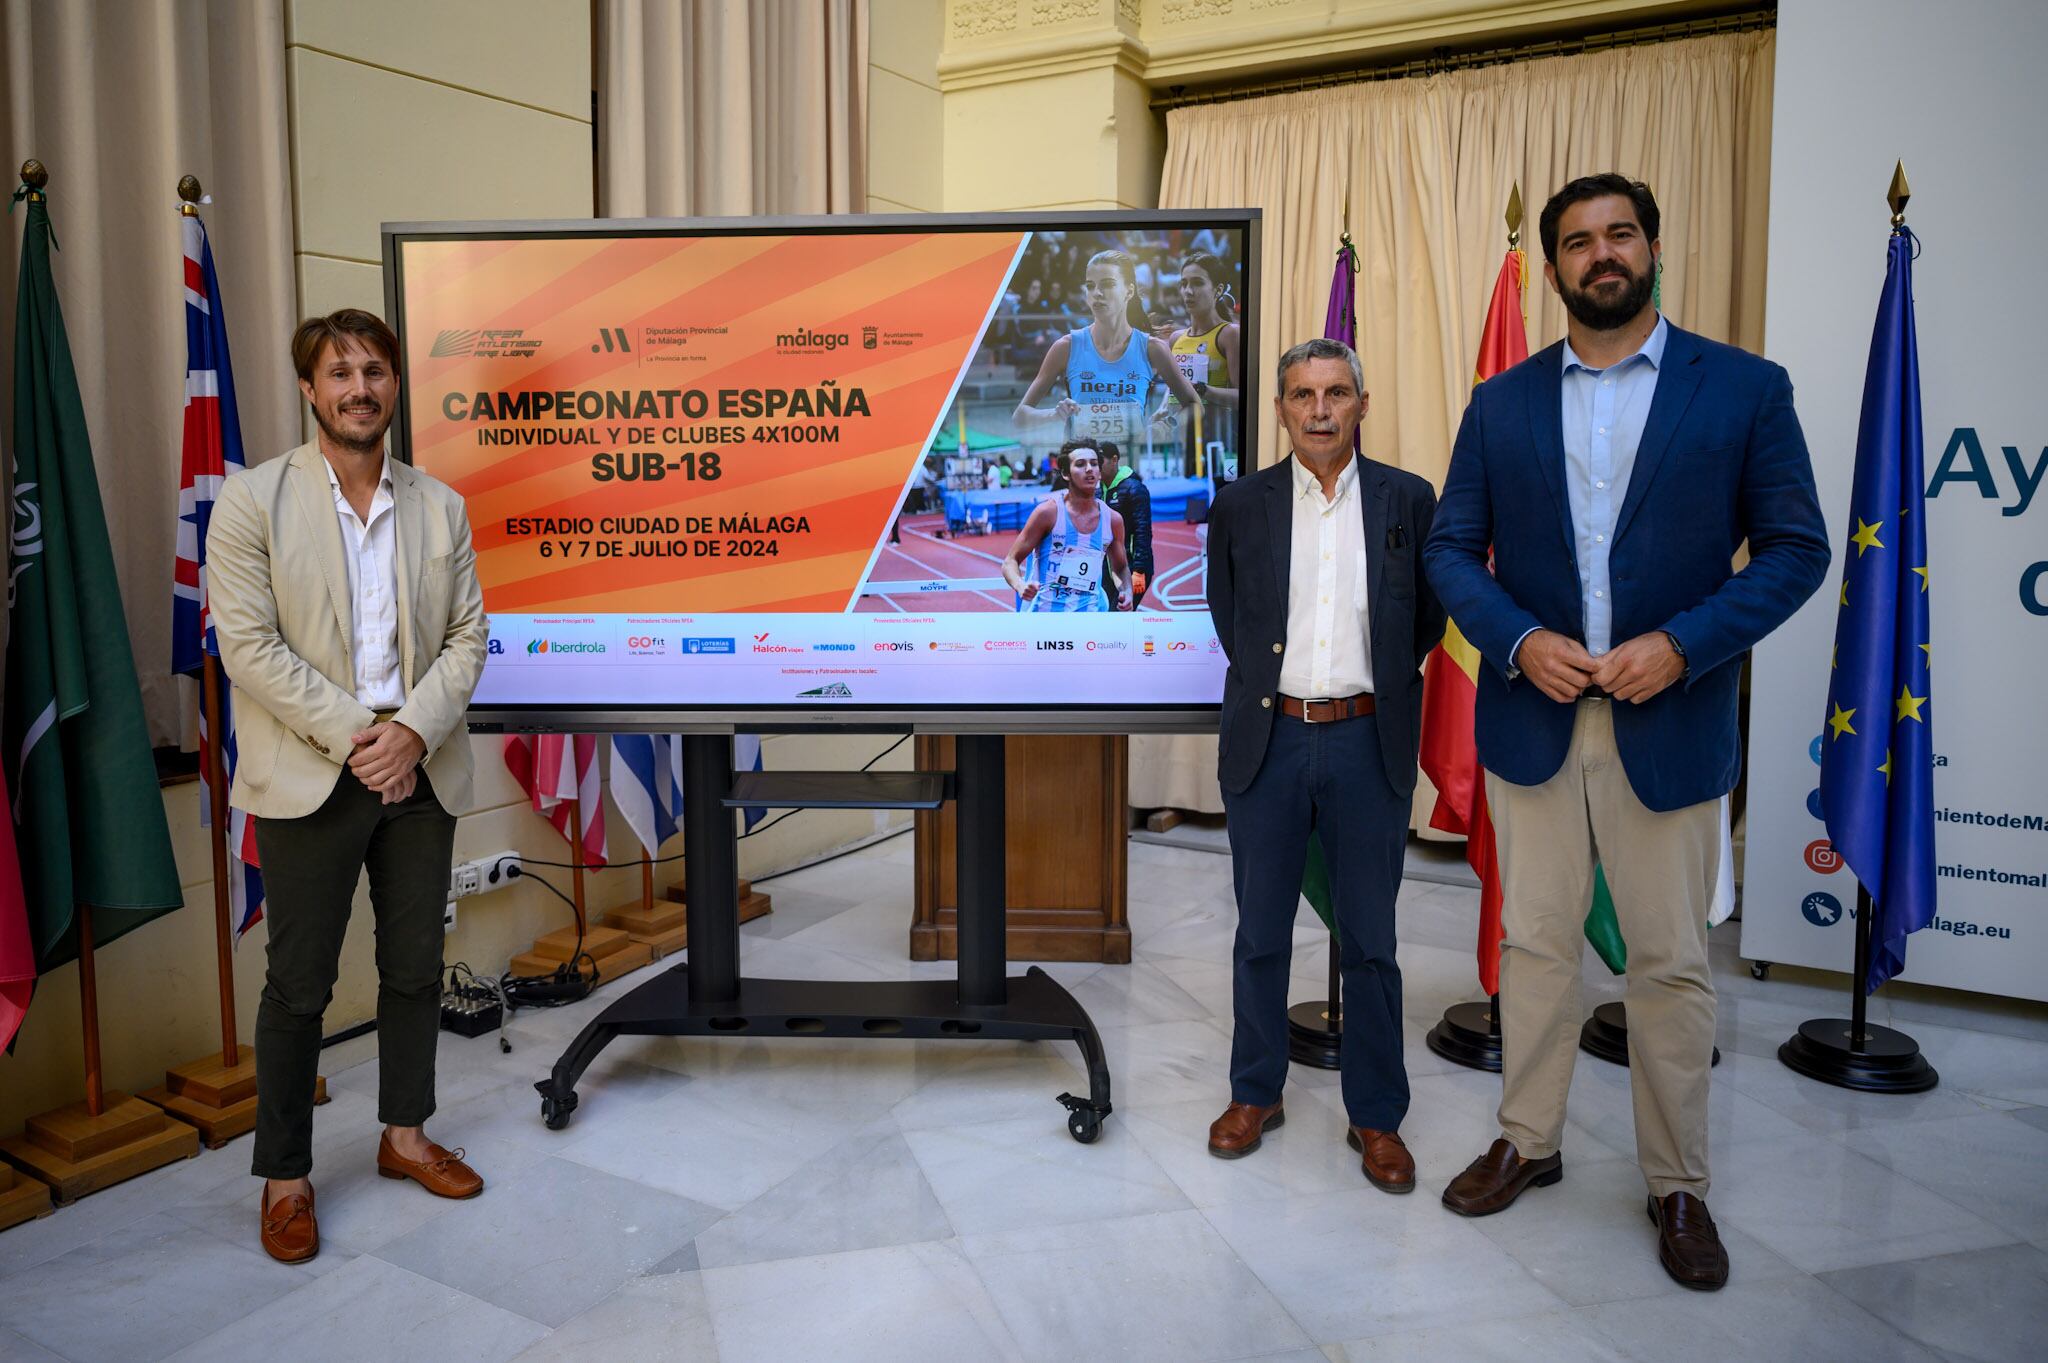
(1057, 645)
(894, 646)
(502, 343)
(1822, 909)
(807, 339)
(556, 646)
(646, 645)
(1821, 856)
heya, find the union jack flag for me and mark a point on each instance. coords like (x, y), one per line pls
(212, 451)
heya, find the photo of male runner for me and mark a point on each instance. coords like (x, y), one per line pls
(1070, 537)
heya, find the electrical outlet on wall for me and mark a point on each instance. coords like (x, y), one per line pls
(483, 874)
(448, 917)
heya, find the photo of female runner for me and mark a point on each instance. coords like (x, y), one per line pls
(1206, 349)
(1112, 368)
(1070, 537)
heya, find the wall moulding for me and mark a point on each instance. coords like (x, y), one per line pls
(1166, 42)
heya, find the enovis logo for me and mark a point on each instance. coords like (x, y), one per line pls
(548, 646)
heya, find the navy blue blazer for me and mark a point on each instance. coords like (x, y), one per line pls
(1722, 460)
(1251, 531)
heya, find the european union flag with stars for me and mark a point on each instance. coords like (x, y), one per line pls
(1877, 769)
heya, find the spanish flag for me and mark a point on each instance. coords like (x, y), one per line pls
(1451, 677)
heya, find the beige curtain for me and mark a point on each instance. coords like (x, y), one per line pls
(118, 100)
(716, 107)
(1423, 168)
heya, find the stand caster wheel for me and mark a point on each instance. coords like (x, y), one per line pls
(557, 1111)
(1760, 970)
(1084, 1126)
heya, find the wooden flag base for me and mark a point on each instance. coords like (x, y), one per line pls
(663, 928)
(77, 1153)
(611, 954)
(220, 1100)
(21, 1199)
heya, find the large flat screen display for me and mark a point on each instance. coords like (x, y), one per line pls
(836, 470)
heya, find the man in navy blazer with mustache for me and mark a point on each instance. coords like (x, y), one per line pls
(1316, 589)
(1612, 478)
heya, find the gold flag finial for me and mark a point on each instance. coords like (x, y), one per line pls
(189, 194)
(1515, 217)
(34, 175)
(1898, 194)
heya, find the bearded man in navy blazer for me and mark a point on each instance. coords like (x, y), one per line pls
(1316, 588)
(1612, 478)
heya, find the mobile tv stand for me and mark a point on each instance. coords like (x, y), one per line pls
(707, 996)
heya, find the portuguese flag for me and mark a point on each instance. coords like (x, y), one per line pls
(1450, 682)
(88, 819)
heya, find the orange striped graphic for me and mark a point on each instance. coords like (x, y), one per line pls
(683, 321)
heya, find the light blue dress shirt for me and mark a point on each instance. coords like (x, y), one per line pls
(1604, 411)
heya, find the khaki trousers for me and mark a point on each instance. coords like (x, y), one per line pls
(1661, 869)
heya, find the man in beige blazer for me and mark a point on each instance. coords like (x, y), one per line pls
(343, 589)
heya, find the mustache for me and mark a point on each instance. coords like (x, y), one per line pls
(1599, 272)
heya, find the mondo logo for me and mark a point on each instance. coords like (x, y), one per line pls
(1821, 856)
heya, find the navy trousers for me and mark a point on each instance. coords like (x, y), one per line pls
(1328, 777)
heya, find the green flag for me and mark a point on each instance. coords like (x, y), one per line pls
(87, 814)
(1602, 930)
(1315, 882)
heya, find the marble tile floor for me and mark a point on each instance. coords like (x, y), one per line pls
(835, 1200)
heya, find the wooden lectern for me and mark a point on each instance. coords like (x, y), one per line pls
(1066, 852)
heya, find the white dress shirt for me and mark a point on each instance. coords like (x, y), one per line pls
(1328, 653)
(370, 550)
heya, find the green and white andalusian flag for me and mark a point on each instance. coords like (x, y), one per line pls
(88, 818)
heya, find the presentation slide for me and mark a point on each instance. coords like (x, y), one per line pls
(803, 468)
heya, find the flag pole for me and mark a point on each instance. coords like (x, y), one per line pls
(1854, 1053)
(1468, 1034)
(217, 796)
(89, 1008)
(189, 194)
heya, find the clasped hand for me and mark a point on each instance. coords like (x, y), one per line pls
(387, 759)
(1562, 669)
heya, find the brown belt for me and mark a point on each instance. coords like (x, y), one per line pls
(1328, 711)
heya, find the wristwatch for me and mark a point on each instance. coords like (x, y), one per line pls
(1679, 649)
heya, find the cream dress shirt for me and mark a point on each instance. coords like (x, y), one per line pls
(1328, 636)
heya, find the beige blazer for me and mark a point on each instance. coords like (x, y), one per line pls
(278, 588)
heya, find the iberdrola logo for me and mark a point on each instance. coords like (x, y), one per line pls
(544, 646)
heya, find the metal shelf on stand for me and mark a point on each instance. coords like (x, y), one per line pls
(707, 995)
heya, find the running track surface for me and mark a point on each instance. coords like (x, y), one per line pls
(1177, 579)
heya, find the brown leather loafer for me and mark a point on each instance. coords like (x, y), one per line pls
(1492, 1182)
(1687, 1244)
(442, 1173)
(1242, 1128)
(290, 1234)
(1384, 1157)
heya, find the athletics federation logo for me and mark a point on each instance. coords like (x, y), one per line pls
(835, 691)
(500, 343)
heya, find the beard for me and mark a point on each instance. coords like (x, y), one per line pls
(366, 444)
(1607, 312)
